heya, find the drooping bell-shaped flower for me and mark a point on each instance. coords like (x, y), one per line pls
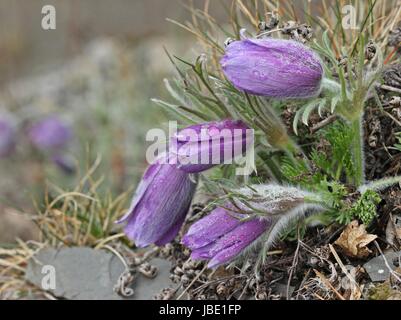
(50, 133)
(228, 231)
(160, 204)
(274, 68)
(200, 147)
(7, 136)
(221, 236)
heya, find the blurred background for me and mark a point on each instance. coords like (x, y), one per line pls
(79, 93)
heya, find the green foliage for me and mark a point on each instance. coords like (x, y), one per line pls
(331, 169)
(340, 138)
(333, 194)
(343, 216)
(365, 208)
(295, 172)
(329, 165)
(398, 145)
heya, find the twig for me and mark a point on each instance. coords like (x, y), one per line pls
(324, 123)
(244, 290)
(319, 297)
(328, 284)
(303, 283)
(395, 274)
(353, 281)
(392, 118)
(390, 88)
(294, 265)
(192, 282)
(268, 32)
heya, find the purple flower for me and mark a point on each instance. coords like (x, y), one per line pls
(50, 133)
(221, 237)
(200, 147)
(160, 205)
(64, 163)
(7, 136)
(225, 234)
(273, 67)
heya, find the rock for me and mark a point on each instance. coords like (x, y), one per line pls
(14, 224)
(82, 273)
(377, 268)
(146, 288)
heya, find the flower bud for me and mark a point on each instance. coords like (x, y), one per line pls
(200, 147)
(160, 205)
(259, 212)
(220, 236)
(274, 68)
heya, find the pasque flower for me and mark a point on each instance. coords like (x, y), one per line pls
(202, 146)
(7, 136)
(221, 236)
(160, 205)
(273, 67)
(228, 231)
(50, 133)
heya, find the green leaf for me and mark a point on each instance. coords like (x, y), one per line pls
(322, 105)
(174, 110)
(298, 115)
(334, 103)
(308, 110)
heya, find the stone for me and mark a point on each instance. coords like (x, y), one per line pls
(83, 273)
(377, 268)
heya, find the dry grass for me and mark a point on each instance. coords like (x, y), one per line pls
(12, 271)
(80, 217)
(374, 17)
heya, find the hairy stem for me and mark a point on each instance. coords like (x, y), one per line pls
(380, 184)
(330, 85)
(357, 151)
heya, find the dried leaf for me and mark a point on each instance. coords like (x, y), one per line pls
(393, 230)
(354, 240)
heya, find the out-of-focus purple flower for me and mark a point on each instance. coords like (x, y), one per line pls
(273, 67)
(220, 236)
(202, 146)
(7, 136)
(64, 163)
(160, 205)
(50, 133)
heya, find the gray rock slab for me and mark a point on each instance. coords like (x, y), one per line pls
(377, 268)
(87, 274)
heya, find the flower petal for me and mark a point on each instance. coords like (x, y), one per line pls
(234, 242)
(273, 67)
(210, 228)
(163, 203)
